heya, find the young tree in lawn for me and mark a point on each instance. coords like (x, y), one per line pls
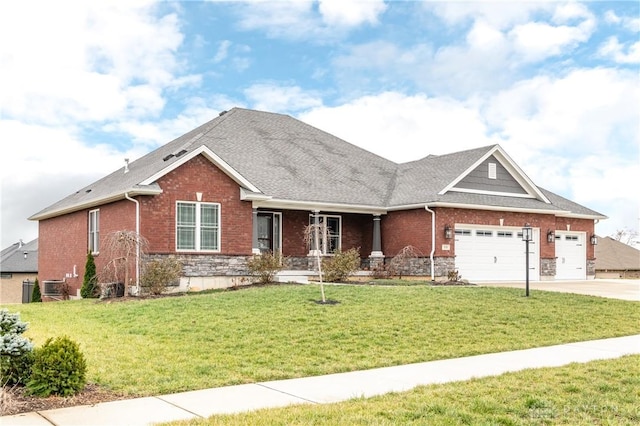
(88, 289)
(314, 235)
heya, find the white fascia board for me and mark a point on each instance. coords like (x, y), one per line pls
(516, 172)
(116, 196)
(583, 216)
(246, 195)
(319, 206)
(211, 156)
(483, 192)
(497, 208)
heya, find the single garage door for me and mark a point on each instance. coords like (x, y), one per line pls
(571, 256)
(495, 254)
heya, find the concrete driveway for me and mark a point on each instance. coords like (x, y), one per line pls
(613, 289)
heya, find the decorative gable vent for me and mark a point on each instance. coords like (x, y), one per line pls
(492, 171)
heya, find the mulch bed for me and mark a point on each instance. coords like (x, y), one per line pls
(14, 400)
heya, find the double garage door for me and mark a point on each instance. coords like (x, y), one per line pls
(495, 254)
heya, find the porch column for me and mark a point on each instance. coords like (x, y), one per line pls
(376, 249)
(255, 249)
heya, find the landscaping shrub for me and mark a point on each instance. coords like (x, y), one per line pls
(89, 289)
(36, 296)
(159, 274)
(59, 368)
(338, 267)
(265, 266)
(16, 352)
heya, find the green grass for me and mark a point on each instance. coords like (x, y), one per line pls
(599, 392)
(174, 344)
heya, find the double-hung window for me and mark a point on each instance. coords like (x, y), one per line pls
(94, 231)
(197, 226)
(329, 235)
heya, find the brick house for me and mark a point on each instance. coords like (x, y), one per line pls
(250, 181)
(18, 272)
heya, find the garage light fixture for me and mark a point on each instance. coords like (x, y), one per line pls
(447, 232)
(551, 238)
(594, 240)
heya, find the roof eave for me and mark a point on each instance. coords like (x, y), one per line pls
(275, 203)
(117, 196)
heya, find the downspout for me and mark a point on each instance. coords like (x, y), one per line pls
(433, 240)
(126, 195)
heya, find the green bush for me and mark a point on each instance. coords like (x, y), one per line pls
(159, 274)
(338, 267)
(36, 296)
(265, 266)
(59, 368)
(89, 288)
(16, 352)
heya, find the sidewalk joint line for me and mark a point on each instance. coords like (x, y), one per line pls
(287, 393)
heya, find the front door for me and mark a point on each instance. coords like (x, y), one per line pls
(269, 232)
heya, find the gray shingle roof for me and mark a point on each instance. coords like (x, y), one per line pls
(616, 256)
(12, 258)
(286, 159)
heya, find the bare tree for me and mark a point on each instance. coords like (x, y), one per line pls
(314, 235)
(123, 251)
(401, 262)
(625, 235)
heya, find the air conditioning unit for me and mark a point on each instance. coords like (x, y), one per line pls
(53, 288)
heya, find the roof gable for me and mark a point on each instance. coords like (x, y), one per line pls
(507, 179)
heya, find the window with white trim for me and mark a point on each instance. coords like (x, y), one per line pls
(94, 231)
(197, 226)
(484, 233)
(504, 234)
(464, 232)
(331, 240)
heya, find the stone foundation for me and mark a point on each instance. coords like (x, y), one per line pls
(547, 269)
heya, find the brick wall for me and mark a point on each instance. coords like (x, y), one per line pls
(413, 227)
(63, 242)
(158, 213)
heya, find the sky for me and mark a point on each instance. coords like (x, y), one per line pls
(84, 85)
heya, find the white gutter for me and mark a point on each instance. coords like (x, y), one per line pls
(433, 240)
(126, 195)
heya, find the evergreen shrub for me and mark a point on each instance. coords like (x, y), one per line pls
(59, 368)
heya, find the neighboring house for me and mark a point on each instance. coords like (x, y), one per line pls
(18, 272)
(616, 260)
(250, 181)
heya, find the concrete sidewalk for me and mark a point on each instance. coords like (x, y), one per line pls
(323, 389)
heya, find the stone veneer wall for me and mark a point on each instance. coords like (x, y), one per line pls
(548, 268)
(591, 267)
(198, 265)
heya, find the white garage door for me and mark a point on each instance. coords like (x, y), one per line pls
(571, 256)
(495, 254)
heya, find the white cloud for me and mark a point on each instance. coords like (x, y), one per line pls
(278, 98)
(223, 51)
(630, 23)
(299, 19)
(403, 128)
(351, 12)
(614, 50)
(88, 61)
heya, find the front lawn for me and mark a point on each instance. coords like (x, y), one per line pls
(595, 393)
(173, 344)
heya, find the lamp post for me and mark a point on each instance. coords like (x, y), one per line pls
(527, 235)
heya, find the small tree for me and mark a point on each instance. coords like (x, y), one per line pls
(401, 263)
(88, 289)
(313, 235)
(123, 251)
(265, 266)
(36, 296)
